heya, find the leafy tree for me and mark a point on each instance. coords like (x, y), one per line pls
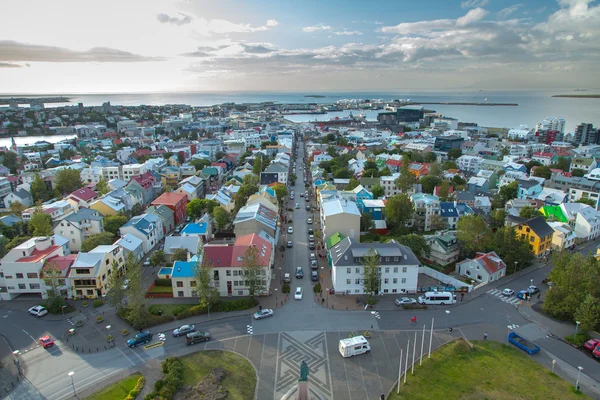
(588, 314)
(180, 158)
(280, 191)
(10, 161)
(385, 171)
(222, 217)
(158, 258)
(137, 209)
(17, 240)
(17, 208)
(112, 223)
(497, 218)
(331, 137)
(263, 145)
(371, 173)
(115, 282)
(578, 172)
(416, 243)
(206, 291)
(449, 165)
(378, 191)
(429, 157)
(257, 166)
(563, 163)
(429, 183)
(67, 181)
(444, 190)
(200, 163)
(41, 223)
(331, 151)
(509, 192)
(39, 191)
(453, 154)
(197, 207)
(99, 239)
(167, 155)
(458, 180)
(136, 308)
(406, 180)
(366, 222)
(352, 184)
(399, 210)
(254, 273)
(587, 201)
(248, 188)
(529, 212)
(342, 173)
(435, 170)
(543, 172)
(510, 248)
(371, 278)
(54, 280)
(437, 223)
(179, 255)
(473, 234)
(102, 187)
(532, 164)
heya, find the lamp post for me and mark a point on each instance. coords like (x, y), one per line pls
(322, 274)
(531, 282)
(578, 373)
(280, 275)
(576, 327)
(275, 297)
(62, 310)
(515, 270)
(71, 373)
(447, 316)
(16, 353)
(327, 291)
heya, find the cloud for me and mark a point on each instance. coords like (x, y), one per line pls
(15, 51)
(272, 22)
(474, 3)
(183, 20)
(347, 33)
(508, 11)
(222, 26)
(473, 15)
(257, 48)
(315, 28)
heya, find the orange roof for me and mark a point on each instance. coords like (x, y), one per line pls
(39, 255)
(170, 198)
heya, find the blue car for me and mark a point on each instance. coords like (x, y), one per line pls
(523, 294)
(140, 338)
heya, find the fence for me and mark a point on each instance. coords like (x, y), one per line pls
(448, 280)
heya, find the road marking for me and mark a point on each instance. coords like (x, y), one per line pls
(513, 326)
(32, 338)
(249, 329)
(154, 345)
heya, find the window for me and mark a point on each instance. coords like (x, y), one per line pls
(348, 270)
(179, 284)
(192, 283)
(228, 272)
(357, 270)
(357, 281)
(34, 286)
(395, 280)
(531, 239)
(386, 281)
(235, 283)
(387, 259)
(22, 286)
(404, 269)
(403, 280)
(348, 281)
(387, 270)
(395, 270)
(240, 292)
(19, 275)
(180, 293)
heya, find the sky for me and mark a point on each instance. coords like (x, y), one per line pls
(123, 46)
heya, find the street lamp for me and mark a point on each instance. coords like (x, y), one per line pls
(71, 373)
(322, 274)
(280, 275)
(327, 291)
(275, 297)
(62, 310)
(576, 327)
(447, 315)
(578, 372)
(531, 282)
(515, 271)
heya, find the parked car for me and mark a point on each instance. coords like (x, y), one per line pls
(301, 194)
(591, 344)
(264, 313)
(297, 205)
(596, 352)
(311, 231)
(290, 230)
(46, 341)
(287, 278)
(533, 290)
(184, 330)
(289, 243)
(140, 338)
(311, 245)
(313, 264)
(299, 273)
(307, 208)
(312, 256)
(147, 262)
(309, 221)
(314, 276)
(404, 300)
(196, 337)
(38, 311)
(508, 292)
(298, 293)
(311, 238)
(523, 294)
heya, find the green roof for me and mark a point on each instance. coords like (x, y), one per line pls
(584, 161)
(334, 239)
(553, 213)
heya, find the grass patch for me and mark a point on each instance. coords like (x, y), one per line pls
(240, 377)
(161, 289)
(118, 390)
(490, 371)
(169, 309)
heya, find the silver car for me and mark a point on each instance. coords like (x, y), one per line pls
(184, 330)
(404, 300)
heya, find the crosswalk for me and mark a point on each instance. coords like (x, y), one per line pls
(507, 299)
(376, 314)
(249, 329)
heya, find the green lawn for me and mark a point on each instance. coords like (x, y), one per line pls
(118, 390)
(161, 289)
(240, 377)
(491, 371)
(167, 309)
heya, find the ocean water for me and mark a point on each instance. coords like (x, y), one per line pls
(533, 105)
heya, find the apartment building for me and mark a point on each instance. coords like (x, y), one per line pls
(90, 270)
(425, 206)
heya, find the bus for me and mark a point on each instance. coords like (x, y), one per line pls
(441, 298)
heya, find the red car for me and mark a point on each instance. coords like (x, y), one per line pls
(46, 341)
(591, 344)
(596, 351)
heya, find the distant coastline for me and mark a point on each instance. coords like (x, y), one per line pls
(579, 96)
(315, 96)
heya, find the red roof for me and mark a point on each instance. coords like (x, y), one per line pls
(170, 199)
(84, 194)
(394, 163)
(61, 263)
(486, 260)
(145, 180)
(39, 255)
(220, 255)
(543, 155)
(12, 178)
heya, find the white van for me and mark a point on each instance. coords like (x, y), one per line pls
(354, 346)
(441, 298)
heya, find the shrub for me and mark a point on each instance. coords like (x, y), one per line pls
(192, 311)
(155, 309)
(317, 288)
(167, 386)
(162, 282)
(179, 309)
(109, 338)
(99, 318)
(84, 304)
(98, 303)
(79, 323)
(124, 332)
(137, 389)
(234, 305)
(579, 339)
(285, 288)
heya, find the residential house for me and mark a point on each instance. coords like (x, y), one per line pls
(368, 182)
(470, 164)
(485, 267)
(585, 219)
(131, 245)
(511, 176)
(148, 184)
(398, 267)
(170, 177)
(146, 227)
(136, 194)
(425, 206)
(108, 206)
(10, 219)
(262, 199)
(357, 195)
(482, 204)
(21, 267)
(545, 158)
(375, 208)
(202, 229)
(584, 163)
(20, 195)
(490, 176)
(537, 233)
(551, 196)
(577, 188)
(131, 170)
(254, 218)
(79, 226)
(477, 185)
(62, 264)
(443, 248)
(190, 243)
(225, 199)
(389, 185)
(449, 214)
(176, 202)
(529, 189)
(166, 215)
(280, 169)
(84, 197)
(340, 216)
(90, 271)
(564, 236)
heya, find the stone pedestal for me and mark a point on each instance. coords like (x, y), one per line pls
(303, 392)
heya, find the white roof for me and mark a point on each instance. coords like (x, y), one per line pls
(336, 206)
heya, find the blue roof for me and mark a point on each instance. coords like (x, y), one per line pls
(183, 269)
(195, 229)
(447, 209)
(10, 220)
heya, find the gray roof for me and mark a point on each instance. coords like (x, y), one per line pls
(84, 213)
(129, 242)
(527, 184)
(190, 243)
(22, 193)
(347, 249)
(540, 226)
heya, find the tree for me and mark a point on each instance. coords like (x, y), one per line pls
(378, 191)
(10, 161)
(588, 314)
(206, 291)
(180, 158)
(449, 165)
(167, 155)
(416, 243)
(406, 180)
(563, 163)
(137, 209)
(200, 163)
(543, 172)
(197, 207)
(254, 272)
(435, 170)
(352, 184)
(331, 151)
(473, 234)
(99, 239)
(257, 165)
(371, 173)
(102, 187)
(371, 276)
(510, 248)
(436, 222)
(280, 191)
(399, 210)
(17, 240)
(509, 192)
(455, 153)
(342, 173)
(17, 208)
(137, 314)
(180, 254)
(444, 190)
(429, 157)
(67, 181)
(158, 258)
(429, 183)
(38, 189)
(112, 223)
(366, 222)
(497, 218)
(578, 172)
(529, 212)
(40, 223)
(263, 145)
(587, 201)
(532, 164)
(222, 217)
(115, 282)
(54, 280)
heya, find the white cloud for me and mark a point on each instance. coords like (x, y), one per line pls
(315, 28)
(474, 3)
(508, 11)
(272, 22)
(347, 33)
(473, 15)
(182, 20)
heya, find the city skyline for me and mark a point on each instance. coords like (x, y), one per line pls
(153, 46)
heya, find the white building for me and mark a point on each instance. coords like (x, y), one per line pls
(521, 133)
(90, 270)
(131, 170)
(340, 216)
(551, 124)
(388, 184)
(79, 226)
(425, 206)
(469, 164)
(399, 267)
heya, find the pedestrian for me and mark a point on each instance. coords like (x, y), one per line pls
(539, 295)
(371, 326)
(485, 336)
(462, 295)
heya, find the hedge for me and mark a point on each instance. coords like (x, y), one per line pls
(98, 303)
(137, 389)
(167, 386)
(285, 288)
(162, 282)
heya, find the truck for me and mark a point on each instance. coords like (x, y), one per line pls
(523, 343)
(354, 346)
